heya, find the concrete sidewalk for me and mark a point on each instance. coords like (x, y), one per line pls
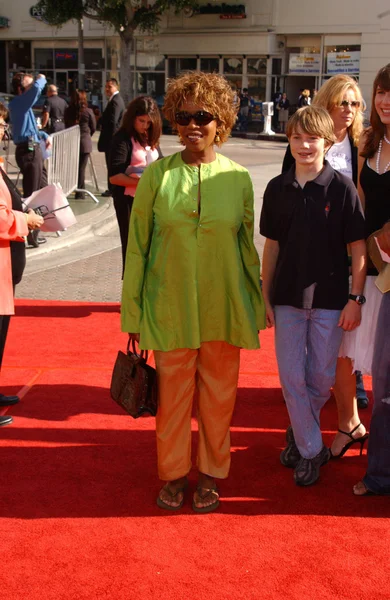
(85, 262)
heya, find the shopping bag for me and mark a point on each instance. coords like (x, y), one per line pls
(53, 205)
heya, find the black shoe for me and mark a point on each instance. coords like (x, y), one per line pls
(106, 194)
(8, 400)
(290, 456)
(354, 440)
(41, 240)
(32, 239)
(5, 420)
(307, 470)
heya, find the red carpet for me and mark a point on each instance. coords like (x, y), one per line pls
(78, 487)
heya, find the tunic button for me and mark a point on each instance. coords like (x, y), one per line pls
(194, 211)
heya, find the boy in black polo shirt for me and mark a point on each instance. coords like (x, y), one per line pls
(309, 215)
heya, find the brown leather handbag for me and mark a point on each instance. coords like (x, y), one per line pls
(134, 383)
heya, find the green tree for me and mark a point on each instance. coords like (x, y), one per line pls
(125, 16)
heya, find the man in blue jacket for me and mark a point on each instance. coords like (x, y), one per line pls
(26, 137)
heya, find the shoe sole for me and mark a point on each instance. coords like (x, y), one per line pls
(205, 509)
(161, 504)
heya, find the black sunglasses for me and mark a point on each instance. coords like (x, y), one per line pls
(353, 104)
(201, 117)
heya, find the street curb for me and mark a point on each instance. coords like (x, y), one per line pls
(97, 221)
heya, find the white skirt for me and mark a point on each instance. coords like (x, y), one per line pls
(358, 345)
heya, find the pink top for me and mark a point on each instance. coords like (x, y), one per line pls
(13, 226)
(140, 157)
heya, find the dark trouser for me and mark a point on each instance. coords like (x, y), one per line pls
(57, 126)
(31, 165)
(377, 478)
(107, 155)
(82, 166)
(123, 205)
(4, 324)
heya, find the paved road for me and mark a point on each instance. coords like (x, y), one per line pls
(90, 270)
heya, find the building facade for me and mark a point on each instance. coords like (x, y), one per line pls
(264, 45)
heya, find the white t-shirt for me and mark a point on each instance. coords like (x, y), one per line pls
(340, 157)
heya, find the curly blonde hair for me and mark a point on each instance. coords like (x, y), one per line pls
(210, 91)
(331, 94)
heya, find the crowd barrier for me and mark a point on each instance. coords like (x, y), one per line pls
(63, 164)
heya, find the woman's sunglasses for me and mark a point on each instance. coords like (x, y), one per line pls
(353, 104)
(201, 117)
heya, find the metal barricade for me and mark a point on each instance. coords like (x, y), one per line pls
(63, 164)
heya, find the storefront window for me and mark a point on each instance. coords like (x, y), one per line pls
(93, 58)
(276, 66)
(257, 66)
(232, 65)
(150, 62)
(66, 58)
(256, 88)
(178, 65)
(49, 76)
(235, 81)
(93, 85)
(19, 55)
(209, 65)
(113, 54)
(44, 58)
(152, 84)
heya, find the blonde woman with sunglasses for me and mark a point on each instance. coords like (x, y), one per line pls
(191, 289)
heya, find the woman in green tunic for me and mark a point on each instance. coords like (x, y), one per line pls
(191, 289)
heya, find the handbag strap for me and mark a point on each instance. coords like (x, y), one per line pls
(142, 354)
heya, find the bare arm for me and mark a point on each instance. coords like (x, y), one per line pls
(45, 119)
(352, 313)
(270, 257)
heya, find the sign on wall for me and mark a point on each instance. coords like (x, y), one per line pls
(37, 13)
(304, 63)
(343, 62)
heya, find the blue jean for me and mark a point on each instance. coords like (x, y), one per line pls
(377, 478)
(307, 342)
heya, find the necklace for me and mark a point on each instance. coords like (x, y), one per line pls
(379, 157)
(385, 138)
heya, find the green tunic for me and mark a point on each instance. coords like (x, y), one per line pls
(190, 277)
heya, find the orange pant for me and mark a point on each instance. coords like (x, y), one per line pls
(211, 371)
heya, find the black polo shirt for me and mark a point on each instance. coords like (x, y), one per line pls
(313, 226)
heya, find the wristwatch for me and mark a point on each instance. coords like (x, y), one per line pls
(359, 299)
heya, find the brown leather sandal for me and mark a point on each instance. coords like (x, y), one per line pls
(203, 494)
(172, 494)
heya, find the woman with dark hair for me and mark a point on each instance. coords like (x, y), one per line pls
(374, 192)
(134, 146)
(78, 113)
